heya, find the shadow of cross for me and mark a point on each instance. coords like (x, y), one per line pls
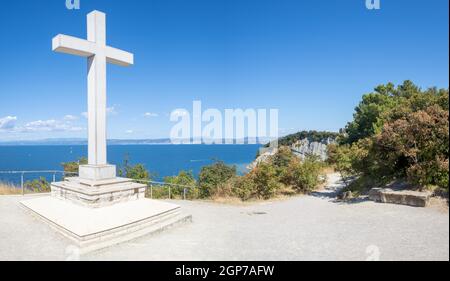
(98, 55)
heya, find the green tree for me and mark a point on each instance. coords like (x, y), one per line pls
(73, 167)
(310, 135)
(369, 115)
(136, 172)
(396, 133)
(417, 146)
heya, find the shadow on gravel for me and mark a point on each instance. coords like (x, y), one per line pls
(325, 194)
(352, 201)
(331, 193)
(333, 197)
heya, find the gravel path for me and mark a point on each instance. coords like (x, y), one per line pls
(302, 228)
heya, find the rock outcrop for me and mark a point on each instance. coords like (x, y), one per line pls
(301, 149)
(263, 157)
(305, 147)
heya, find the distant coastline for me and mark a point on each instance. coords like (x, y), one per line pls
(80, 141)
(76, 141)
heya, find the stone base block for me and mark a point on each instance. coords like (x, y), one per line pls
(97, 173)
(402, 197)
(96, 194)
(91, 229)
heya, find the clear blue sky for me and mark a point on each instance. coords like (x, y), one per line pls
(310, 59)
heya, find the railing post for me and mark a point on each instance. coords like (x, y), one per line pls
(170, 195)
(54, 177)
(184, 194)
(151, 191)
(21, 184)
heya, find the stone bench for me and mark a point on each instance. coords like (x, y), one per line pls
(402, 197)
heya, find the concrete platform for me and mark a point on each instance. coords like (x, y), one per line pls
(95, 228)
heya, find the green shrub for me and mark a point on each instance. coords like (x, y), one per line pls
(282, 158)
(212, 178)
(38, 185)
(304, 175)
(265, 180)
(183, 181)
(243, 187)
(157, 191)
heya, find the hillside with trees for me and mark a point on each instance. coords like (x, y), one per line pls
(397, 134)
(312, 136)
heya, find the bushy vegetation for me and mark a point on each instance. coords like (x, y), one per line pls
(213, 179)
(40, 185)
(397, 133)
(37, 185)
(313, 136)
(183, 184)
(283, 173)
(137, 172)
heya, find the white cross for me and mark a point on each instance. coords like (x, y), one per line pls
(98, 54)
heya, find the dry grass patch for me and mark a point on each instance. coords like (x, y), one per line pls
(9, 189)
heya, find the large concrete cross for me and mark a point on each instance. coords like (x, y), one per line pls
(98, 54)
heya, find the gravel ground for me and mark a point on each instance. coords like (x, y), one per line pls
(312, 227)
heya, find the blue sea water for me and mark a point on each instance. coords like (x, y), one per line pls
(163, 160)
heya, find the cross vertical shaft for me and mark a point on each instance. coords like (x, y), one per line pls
(96, 33)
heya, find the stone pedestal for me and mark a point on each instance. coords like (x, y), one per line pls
(97, 210)
(97, 173)
(97, 194)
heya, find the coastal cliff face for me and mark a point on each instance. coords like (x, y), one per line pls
(301, 148)
(305, 147)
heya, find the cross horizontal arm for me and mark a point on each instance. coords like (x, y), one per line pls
(119, 57)
(72, 45)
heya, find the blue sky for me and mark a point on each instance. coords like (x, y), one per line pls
(310, 59)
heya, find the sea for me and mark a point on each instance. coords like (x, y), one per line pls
(160, 160)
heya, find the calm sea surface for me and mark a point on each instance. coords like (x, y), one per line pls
(164, 160)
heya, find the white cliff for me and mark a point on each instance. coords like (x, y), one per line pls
(301, 149)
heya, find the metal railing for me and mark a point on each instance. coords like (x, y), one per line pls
(22, 174)
(170, 187)
(150, 191)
